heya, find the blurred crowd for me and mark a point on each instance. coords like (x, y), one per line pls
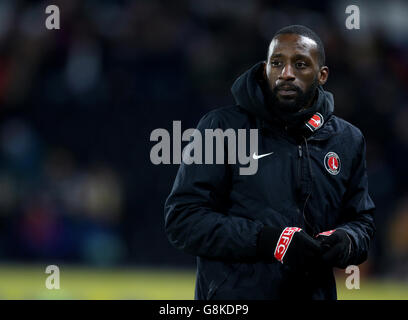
(77, 106)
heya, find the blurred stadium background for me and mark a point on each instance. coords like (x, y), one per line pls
(77, 106)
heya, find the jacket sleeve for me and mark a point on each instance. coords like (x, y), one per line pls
(196, 211)
(358, 210)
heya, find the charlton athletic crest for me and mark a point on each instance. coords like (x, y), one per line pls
(315, 122)
(332, 163)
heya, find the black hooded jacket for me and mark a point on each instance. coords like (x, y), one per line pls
(315, 179)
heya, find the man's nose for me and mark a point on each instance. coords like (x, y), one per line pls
(287, 73)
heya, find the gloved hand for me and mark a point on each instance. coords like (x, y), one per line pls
(336, 246)
(291, 246)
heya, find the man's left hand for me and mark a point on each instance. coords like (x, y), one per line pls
(337, 246)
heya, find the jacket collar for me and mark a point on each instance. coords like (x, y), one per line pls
(248, 93)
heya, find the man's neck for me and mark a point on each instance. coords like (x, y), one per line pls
(311, 102)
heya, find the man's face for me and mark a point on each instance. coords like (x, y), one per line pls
(293, 72)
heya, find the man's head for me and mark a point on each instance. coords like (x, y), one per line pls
(295, 67)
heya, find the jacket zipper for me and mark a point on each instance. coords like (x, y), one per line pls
(300, 153)
(299, 168)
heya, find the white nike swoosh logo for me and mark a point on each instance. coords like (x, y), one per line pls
(256, 157)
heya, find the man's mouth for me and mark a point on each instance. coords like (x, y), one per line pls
(287, 92)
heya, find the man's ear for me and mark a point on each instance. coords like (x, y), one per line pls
(323, 75)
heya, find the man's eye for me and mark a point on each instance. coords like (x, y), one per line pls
(300, 65)
(275, 63)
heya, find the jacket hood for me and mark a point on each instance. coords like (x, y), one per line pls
(248, 94)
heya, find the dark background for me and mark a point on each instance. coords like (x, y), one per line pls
(77, 106)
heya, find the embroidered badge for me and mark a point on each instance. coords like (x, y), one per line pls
(315, 122)
(332, 163)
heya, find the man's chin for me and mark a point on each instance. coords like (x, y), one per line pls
(289, 105)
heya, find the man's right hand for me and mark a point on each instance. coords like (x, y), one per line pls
(291, 246)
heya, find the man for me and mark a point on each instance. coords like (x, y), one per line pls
(278, 233)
